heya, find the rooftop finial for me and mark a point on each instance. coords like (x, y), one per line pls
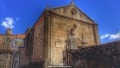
(47, 7)
(72, 2)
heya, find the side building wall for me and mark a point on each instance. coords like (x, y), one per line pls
(35, 44)
(28, 53)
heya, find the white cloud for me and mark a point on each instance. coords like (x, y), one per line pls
(105, 36)
(8, 22)
(115, 36)
(111, 36)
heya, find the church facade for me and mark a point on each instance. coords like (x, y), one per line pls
(57, 30)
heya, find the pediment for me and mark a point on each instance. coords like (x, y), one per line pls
(73, 12)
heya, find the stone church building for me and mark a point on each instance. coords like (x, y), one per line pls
(57, 30)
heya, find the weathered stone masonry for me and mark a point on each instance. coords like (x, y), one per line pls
(7, 55)
(101, 56)
(34, 49)
(5, 58)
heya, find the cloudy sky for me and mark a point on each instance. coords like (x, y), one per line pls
(22, 14)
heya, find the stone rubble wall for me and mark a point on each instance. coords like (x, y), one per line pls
(101, 56)
(34, 43)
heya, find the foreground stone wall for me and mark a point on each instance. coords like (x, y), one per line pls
(102, 56)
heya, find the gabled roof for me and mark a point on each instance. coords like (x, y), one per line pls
(72, 4)
(84, 14)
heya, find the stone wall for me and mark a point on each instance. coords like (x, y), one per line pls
(23, 58)
(101, 56)
(5, 58)
(7, 43)
(34, 43)
(27, 51)
(38, 41)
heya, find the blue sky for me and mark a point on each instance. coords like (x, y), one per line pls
(22, 14)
